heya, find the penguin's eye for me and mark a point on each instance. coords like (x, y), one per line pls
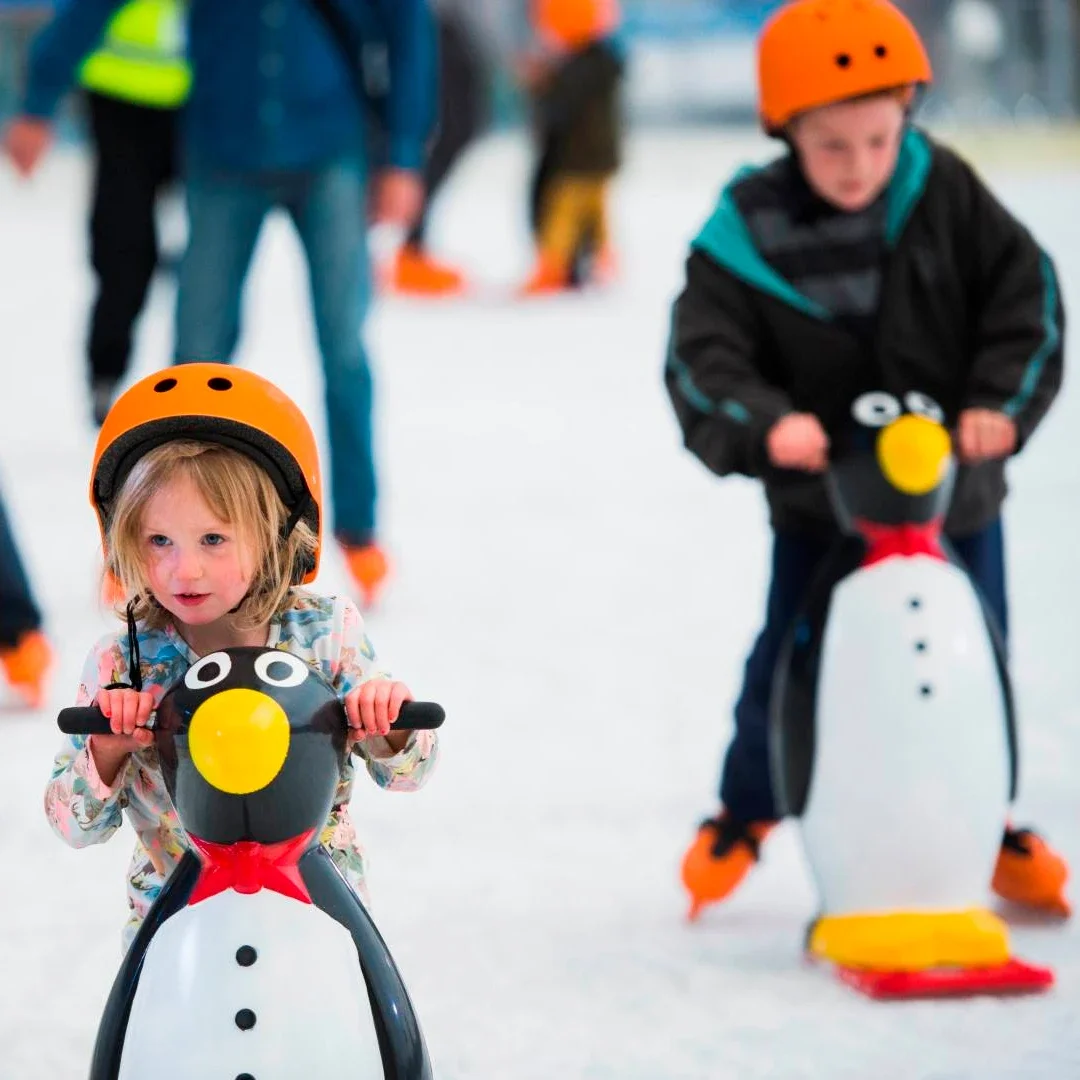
(875, 409)
(208, 671)
(281, 668)
(922, 405)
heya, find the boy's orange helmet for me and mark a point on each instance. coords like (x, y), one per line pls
(214, 403)
(574, 23)
(818, 52)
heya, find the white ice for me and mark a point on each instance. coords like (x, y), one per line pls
(580, 594)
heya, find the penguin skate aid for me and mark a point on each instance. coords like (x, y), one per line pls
(866, 258)
(225, 721)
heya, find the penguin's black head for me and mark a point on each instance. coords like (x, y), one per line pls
(893, 463)
(251, 743)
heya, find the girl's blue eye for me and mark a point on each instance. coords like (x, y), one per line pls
(213, 539)
(157, 540)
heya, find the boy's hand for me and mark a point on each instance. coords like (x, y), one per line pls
(373, 706)
(798, 441)
(985, 434)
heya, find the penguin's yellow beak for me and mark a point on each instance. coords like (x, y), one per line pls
(913, 453)
(238, 740)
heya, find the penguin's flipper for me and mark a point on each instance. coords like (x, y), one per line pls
(401, 1041)
(112, 1031)
(794, 690)
(1001, 658)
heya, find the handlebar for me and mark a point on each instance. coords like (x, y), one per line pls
(90, 720)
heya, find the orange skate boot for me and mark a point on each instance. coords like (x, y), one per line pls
(722, 853)
(1032, 873)
(28, 665)
(369, 568)
(415, 272)
(547, 277)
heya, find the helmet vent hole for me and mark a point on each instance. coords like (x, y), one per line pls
(843, 60)
(164, 385)
(880, 52)
(218, 383)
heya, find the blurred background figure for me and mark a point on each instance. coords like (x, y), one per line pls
(135, 81)
(465, 63)
(573, 76)
(276, 119)
(26, 657)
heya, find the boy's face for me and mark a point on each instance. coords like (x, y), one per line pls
(848, 151)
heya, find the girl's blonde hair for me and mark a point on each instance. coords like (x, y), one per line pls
(241, 494)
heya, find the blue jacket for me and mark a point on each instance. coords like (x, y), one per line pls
(272, 90)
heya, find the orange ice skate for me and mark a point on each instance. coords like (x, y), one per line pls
(1031, 873)
(547, 277)
(415, 272)
(722, 853)
(369, 568)
(28, 665)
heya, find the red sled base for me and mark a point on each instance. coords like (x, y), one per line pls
(1014, 977)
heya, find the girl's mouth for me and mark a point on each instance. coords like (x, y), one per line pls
(191, 599)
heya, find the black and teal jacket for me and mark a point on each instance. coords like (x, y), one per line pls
(969, 312)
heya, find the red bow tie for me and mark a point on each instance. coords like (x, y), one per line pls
(248, 867)
(885, 541)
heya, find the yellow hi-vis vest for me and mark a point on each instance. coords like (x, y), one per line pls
(142, 56)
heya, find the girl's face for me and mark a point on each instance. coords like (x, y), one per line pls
(198, 566)
(848, 151)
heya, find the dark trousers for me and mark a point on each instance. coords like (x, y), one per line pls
(18, 612)
(463, 90)
(134, 158)
(745, 783)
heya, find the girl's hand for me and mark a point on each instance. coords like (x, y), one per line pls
(373, 706)
(983, 434)
(129, 712)
(798, 441)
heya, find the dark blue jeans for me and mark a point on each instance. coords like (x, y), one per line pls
(18, 612)
(225, 213)
(745, 783)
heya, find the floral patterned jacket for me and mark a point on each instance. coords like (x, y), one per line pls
(325, 631)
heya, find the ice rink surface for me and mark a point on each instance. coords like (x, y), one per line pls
(580, 594)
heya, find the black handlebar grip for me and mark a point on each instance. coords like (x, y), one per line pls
(414, 716)
(80, 720)
(419, 716)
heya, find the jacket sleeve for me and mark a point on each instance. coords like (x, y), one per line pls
(579, 79)
(58, 50)
(1019, 322)
(412, 53)
(723, 403)
(81, 809)
(408, 769)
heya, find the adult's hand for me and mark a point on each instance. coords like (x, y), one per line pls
(25, 141)
(397, 197)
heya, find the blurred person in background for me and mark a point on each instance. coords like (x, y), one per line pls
(274, 120)
(136, 80)
(574, 77)
(26, 657)
(465, 62)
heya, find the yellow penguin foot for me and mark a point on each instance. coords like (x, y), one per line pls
(911, 940)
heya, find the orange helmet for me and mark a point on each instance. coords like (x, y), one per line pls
(214, 403)
(818, 52)
(574, 23)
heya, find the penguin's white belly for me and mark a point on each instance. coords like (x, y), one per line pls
(305, 990)
(909, 788)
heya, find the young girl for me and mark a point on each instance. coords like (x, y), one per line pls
(866, 258)
(207, 490)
